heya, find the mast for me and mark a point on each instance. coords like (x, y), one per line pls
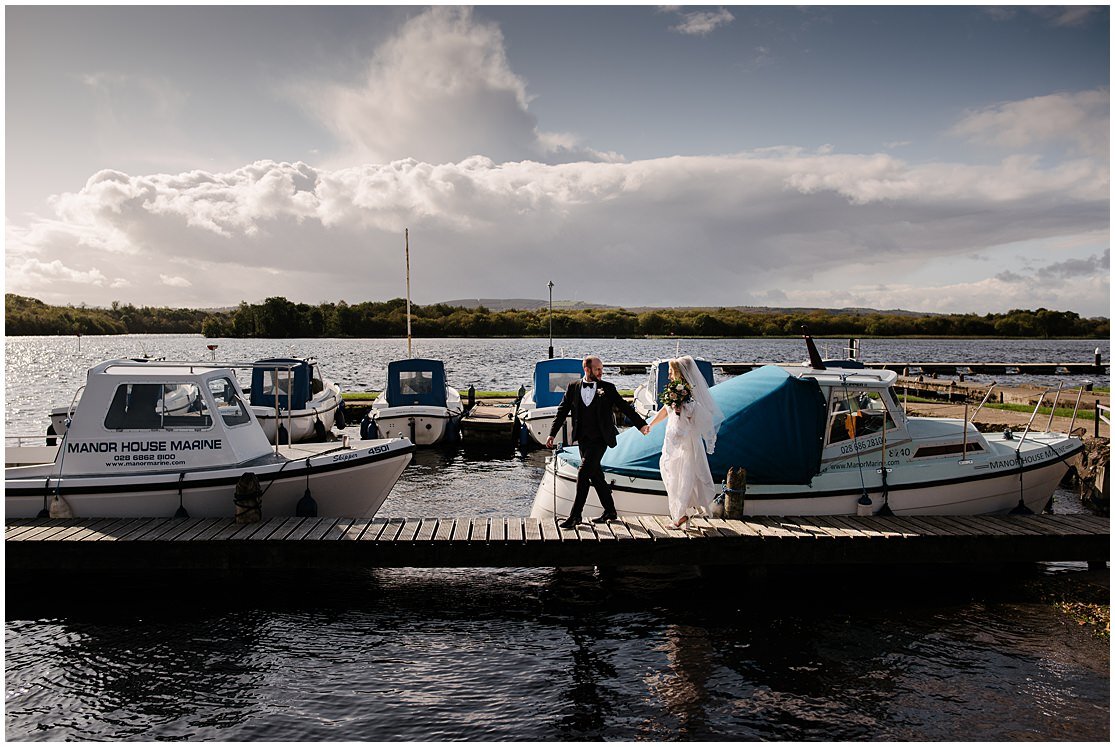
(406, 240)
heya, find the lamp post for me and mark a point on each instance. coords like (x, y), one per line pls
(550, 285)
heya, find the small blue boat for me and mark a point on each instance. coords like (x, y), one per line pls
(539, 405)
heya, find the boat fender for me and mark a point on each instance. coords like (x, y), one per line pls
(863, 505)
(319, 427)
(282, 436)
(307, 506)
(369, 428)
(339, 418)
(59, 508)
(248, 499)
(181, 513)
(51, 432)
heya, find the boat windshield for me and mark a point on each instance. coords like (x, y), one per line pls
(854, 413)
(153, 406)
(416, 382)
(559, 381)
(229, 404)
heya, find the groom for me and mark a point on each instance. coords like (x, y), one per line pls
(591, 400)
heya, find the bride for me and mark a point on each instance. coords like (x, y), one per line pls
(690, 432)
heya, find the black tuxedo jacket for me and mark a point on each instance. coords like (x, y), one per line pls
(605, 398)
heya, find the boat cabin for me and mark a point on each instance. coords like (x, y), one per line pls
(159, 417)
(416, 381)
(552, 377)
(293, 381)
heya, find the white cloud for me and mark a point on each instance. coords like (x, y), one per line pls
(439, 91)
(174, 281)
(750, 224)
(1081, 118)
(702, 22)
(35, 271)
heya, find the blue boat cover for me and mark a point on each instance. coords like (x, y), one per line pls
(662, 375)
(552, 377)
(265, 386)
(774, 426)
(416, 381)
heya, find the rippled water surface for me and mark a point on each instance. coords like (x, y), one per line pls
(539, 654)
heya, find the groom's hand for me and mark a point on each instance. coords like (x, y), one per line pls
(645, 430)
(550, 442)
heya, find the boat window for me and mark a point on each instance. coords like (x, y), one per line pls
(317, 386)
(416, 382)
(232, 409)
(277, 381)
(856, 413)
(559, 382)
(157, 407)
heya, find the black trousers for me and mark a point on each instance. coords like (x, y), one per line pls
(591, 473)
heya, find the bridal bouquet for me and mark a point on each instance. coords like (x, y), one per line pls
(676, 393)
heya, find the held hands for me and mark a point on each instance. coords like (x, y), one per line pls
(645, 430)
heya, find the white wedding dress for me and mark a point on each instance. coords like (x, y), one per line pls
(684, 466)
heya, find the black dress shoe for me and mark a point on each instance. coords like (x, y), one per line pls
(570, 523)
(604, 518)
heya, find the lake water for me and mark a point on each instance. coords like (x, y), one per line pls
(540, 654)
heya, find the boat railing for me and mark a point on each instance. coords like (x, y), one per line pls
(1102, 418)
(13, 439)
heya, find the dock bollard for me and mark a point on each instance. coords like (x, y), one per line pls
(734, 491)
(248, 499)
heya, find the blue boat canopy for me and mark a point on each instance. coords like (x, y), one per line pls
(289, 379)
(662, 375)
(416, 381)
(774, 426)
(552, 377)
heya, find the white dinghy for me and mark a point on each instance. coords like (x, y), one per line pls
(125, 454)
(813, 440)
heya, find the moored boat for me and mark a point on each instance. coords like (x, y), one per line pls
(126, 454)
(646, 396)
(539, 404)
(293, 402)
(417, 403)
(827, 440)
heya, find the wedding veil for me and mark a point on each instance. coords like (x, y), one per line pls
(707, 423)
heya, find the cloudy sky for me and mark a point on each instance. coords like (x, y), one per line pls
(949, 159)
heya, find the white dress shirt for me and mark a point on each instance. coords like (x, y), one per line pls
(588, 391)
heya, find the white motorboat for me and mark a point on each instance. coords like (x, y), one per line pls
(126, 454)
(646, 400)
(417, 403)
(293, 402)
(539, 404)
(813, 440)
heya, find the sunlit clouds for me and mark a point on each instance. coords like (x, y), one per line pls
(434, 128)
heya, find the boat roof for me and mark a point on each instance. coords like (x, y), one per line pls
(549, 391)
(870, 378)
(133, 367)
(428, 389)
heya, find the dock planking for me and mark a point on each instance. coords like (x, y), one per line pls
(293, 542)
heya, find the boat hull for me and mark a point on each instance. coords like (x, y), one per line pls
(300, 424)
(345, 482)
(538, 423)
(425, 426)
(978, 487)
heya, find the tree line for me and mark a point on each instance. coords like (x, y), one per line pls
(279, 318)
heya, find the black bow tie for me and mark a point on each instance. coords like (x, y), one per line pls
(590, 384)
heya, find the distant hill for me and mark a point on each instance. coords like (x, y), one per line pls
(531, 304)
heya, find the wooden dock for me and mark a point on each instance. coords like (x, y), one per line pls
(908, 367)
(329, 543)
